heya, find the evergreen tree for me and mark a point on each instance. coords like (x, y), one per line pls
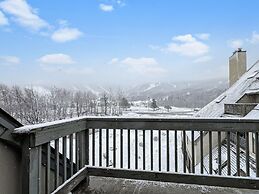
(168, 107)
(124, 103)
(153, 104)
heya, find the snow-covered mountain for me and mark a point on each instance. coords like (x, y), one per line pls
(181, 94)
(94, 89)
(187, 94)
(159, 89)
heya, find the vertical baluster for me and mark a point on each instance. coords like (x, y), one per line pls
(107, 147)
(167, 151)
(159, 150)
(47, 174)
(238, 153)
(176, 151)
(56, 163)
(128, 148)
(228, 153)
(65, 158)
(77, 152)
(219, 152)
(201, 149)
(39, 168)
(151, 150)
(93, 147)
(121, 149)
(86, 149)
(210, 152)
(193, 156)
(247, 155)
(136, 149)
(100, 147)
(71, 154)
(257, 154)
(184, 151)
(81, 147)
(144, 149)
(114, 148)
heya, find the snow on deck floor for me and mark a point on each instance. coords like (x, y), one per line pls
(100, 185)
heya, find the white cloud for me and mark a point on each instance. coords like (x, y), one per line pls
(9, 60)
(143, 65)
(187, 45)
(236, 43)
(255, 38)
(63, 23)
(154, 47)
(3, 19)
(184, 38)
(106, 8)
(203, 36)
(66, 34)
(23, 14)
(61, 63)
(203, 59)
(121, 3)
(56, 59)
(114, 61)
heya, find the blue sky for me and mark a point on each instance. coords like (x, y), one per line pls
(123, 41)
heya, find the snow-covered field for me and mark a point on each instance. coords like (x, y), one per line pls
(143, 111)
(130, 113)
(140, 156)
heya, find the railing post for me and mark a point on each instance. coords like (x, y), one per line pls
(31, 168)
(87, 146)
(87, 152)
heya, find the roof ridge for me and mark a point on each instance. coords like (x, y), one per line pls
(253, 65)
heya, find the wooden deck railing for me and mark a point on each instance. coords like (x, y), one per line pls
(58, 156)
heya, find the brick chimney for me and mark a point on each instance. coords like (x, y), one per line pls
(237, 65)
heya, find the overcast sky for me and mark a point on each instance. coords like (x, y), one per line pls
(123, 41)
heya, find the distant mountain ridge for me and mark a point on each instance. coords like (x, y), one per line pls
(181, 94)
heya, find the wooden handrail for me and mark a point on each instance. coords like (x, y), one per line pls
(43, 133)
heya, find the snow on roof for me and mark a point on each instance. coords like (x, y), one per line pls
(233, 94)
(253, 113)
(224, 168)
(248, 83)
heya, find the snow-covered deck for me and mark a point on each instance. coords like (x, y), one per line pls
(103, 185)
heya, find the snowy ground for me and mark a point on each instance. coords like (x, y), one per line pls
(140, 149)
(145, 112)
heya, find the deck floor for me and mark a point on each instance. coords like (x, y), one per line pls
(101, 185)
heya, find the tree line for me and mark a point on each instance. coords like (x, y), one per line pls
(29, 106)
